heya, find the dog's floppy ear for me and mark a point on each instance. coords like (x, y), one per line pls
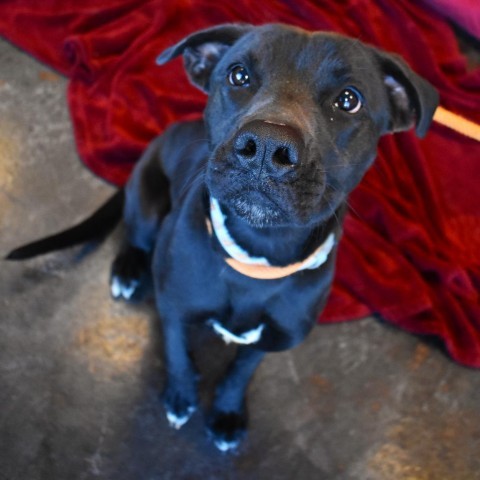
(413, 100)
(202, 50)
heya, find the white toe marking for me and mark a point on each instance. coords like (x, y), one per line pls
(127, 292)
(119, 289)
(116, 287)
(225, 446)
(177, 422)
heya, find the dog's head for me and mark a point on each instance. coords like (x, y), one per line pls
(294, 117)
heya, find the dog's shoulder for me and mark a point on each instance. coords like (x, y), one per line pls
(184, 153)
(183, 144)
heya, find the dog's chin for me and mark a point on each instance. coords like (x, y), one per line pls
(256, 214)
(253, 208)
(259, 211)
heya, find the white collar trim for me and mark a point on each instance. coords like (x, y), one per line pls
(259, 267)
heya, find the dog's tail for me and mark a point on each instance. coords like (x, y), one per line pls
(95, 227)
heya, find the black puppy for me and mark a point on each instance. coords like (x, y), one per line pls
(238, 216)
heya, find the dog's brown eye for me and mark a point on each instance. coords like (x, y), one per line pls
(238, 76)
(350, 100)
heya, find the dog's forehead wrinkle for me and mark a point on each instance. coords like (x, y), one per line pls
(341, 60)
(280, 108)
(273, 47)
(283, 54)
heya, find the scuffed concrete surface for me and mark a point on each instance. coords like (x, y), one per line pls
(80, 375)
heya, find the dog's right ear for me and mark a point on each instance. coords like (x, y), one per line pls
(412, 99)
(202, 50)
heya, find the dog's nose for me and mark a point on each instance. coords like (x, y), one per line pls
(275, 147)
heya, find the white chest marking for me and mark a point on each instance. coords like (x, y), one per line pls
(246, 338)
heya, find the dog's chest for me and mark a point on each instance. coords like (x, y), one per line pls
(194, 277)
(237, 308)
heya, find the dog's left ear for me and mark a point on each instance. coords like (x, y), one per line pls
(202, 50)
(413, 100)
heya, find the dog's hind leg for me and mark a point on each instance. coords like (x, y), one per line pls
(227, 421)
(147, 201)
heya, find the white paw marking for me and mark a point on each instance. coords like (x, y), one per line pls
(120, 290)
(129, 291)
(177, 422)
(225, 446)
(116, 287)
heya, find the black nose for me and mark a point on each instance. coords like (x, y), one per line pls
(274, 147)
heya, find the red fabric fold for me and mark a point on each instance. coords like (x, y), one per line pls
(411, 250)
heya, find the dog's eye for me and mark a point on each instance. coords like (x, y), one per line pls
(238, 76)
(350, 100)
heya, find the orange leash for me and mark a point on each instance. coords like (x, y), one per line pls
(457, 123)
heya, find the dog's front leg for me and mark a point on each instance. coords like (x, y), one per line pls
(228, 419)
(180, 394)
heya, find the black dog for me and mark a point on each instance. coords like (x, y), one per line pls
(238, 216)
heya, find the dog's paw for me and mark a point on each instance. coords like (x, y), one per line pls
(177, 421)
(121, 288)
(227, 429)
(179, 408)
(129, 273)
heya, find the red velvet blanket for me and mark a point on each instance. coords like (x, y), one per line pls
(411, 251)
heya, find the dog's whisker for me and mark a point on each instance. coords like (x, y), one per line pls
(194, 180)
(353, 209)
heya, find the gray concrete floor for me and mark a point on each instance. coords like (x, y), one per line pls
(80, 375)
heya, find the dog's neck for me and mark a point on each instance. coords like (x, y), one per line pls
(279, 246)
